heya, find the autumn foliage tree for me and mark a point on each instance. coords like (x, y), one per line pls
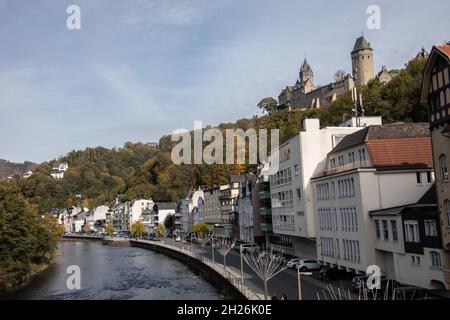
(27, 239)
(110, 229)
(137, 229)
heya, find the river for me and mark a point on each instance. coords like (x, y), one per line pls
(115, 273)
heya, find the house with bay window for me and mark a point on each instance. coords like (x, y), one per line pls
(408, 246)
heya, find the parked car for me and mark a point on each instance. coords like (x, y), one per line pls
(307, 265)
(330, 273)
(292, 262)
(410, 293)
(193, 239)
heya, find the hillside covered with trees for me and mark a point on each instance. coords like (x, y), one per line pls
(97, 175)
(10, 168)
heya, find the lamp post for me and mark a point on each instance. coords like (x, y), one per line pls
(242, 264)
(299, 281)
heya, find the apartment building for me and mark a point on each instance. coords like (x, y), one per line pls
(376, 168)
(292, 207)
(212, 211)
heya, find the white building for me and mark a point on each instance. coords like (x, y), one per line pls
(97, 218)
(192, 210)
(408, 247)
(58, 170)
(291, 192)
(162, 209)
(376, 168)
(27, 174)
(140, 211)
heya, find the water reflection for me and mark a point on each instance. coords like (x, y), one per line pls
(115, 273)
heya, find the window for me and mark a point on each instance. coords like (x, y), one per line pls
(412, 231)
(419, 177)
(415, 260)
(443, 164)
(430, 228)
(428, 177)
(447, 209)
(297, 169)
(299, 193)
(377, 228)
(351, 157)
(394, 230)
(385, 231)
(435, 259)
(333, 163)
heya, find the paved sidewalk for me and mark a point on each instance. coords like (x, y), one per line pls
(285, 282)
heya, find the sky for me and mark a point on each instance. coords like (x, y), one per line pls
(138, 69)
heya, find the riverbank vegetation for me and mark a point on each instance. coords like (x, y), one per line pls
(28, 241)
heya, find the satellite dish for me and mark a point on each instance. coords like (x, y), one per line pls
(339, 75)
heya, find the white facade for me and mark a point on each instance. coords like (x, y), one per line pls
(192, 210)
(421, 270)
(344, 228)
(136, 208)
(293, 211)
(163, 213)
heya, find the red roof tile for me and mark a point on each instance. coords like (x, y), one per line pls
(445, 49)
(397, 152)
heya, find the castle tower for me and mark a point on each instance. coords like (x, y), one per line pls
(362, 62)
(306, 77)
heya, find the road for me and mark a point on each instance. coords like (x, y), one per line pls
(284, 282)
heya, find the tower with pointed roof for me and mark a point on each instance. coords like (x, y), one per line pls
(362, 62)
(306, 77)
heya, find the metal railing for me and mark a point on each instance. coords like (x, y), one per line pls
(232, 277)
(343, 168)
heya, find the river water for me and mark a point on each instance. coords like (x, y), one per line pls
(109, 272)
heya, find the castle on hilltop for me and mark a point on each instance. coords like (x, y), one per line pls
(304, 95)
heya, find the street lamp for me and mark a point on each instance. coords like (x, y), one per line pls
(242, 264)
(299, 274)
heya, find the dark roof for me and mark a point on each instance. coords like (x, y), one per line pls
(351, 140)
(306, 66)
(428, 209)
(166, 205)
(429, 197)
(361, 44)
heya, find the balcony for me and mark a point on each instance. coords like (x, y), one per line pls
(345, 167)
(266, 227)
(264, 195)
(265, 211)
